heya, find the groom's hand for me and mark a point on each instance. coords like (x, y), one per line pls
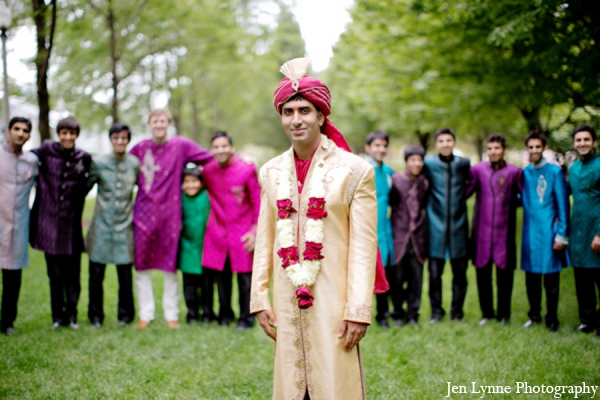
(268, 323)
(354, 332)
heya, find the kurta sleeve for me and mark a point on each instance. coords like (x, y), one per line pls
(472, 188)
(196, 154)
(562, 205)
(255, 194)
(362, 250)
(262, 269)
(94, 176)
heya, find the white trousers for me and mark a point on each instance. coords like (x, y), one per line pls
(145, 297)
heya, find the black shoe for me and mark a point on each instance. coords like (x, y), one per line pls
(583, 328)
(241, 326)
(399, 322)
(598, 333)
(383, 323)
(456, 318)
(8, 331)
(504, 321)
(435, 319)
(207, 320)
(192, 321)
(96, 322)
(413, 322)
(225, 322)
(553, 327)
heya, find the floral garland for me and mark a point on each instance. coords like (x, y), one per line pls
(302, 275)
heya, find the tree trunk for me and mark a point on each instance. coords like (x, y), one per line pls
(42, 61)
(197, 135)
(532, 117)
(423, 138)
(479, 147)
(114, 58)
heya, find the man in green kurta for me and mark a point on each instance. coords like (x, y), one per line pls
(196, 208)
(584, 179)
(110, 238)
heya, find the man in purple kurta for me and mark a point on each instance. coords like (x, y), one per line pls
(234, 192)
(497, 185)
(157, 213)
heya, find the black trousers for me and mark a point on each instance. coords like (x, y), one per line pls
(224, 287)
(11, 286)
(533, 284)
(125, 307)
(504, 287)
(586, 282)
(394, 293)
(64, 274)
(459, 286)
(192, 293)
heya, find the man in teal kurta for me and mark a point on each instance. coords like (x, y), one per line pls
(196, 208)
(110, 238)
(376, 147)
(584, 179)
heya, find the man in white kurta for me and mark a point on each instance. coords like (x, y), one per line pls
(318, 318)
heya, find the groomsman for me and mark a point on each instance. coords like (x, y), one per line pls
(497, 185)
(584, 178)
(110, 237)
(376, 146)
(234, 192)
(545, 231)
(408, 198)
(449, 177)
(17, 177)
(56, 218)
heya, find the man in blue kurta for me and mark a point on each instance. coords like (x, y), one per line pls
(497, 185)
(584, 179)
(545, 231)
(18, 170)
(376, 146)
(449, 177)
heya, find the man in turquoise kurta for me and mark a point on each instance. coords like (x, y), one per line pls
(545, 231)
(110, 238)
(376, 148)
(196, 209)
(584, 179)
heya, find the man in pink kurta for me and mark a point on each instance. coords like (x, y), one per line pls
(234, 191)
(157, 213)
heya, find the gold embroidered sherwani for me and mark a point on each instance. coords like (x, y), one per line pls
(308, 352)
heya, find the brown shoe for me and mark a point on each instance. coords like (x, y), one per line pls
(142, 324)
(173, 324)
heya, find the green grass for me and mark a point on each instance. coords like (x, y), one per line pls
(206, 362)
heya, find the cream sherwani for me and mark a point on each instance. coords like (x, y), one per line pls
(308, 352)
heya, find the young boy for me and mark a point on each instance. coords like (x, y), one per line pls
(408, 199)
(56, 218)
(110, 238)
(196, 207)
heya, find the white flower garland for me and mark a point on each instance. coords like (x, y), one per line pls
(304, 273)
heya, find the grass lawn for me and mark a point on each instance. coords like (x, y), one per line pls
(206, 362)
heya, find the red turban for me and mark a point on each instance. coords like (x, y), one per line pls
(317, 93)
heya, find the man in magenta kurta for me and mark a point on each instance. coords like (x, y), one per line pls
(234, 191)
(497, 185)
(157, 213)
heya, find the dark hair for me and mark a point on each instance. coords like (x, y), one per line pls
(414, 150)
(69, 123)
(192, 170)
(585, 128)
(536, 135)
(219, 134)
(377, 135)
(497, 138)
(24, 120)
(119, 127)
(444, 131)
(299, 96)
